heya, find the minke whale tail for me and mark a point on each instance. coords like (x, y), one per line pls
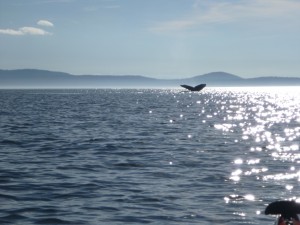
(196, 88)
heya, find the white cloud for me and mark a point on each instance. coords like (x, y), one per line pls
(29, 30)
(214, 12)
(33, 31)
(10, 32)
(45, 23)
(24, 31)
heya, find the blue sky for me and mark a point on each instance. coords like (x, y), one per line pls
(155, 38)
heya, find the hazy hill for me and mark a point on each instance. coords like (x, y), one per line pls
(31, 78)
(275, 81)
(217, 75)
(216, 79)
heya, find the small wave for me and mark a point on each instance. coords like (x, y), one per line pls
(131, 219)
(12, 218)
(2, 196)
(52, 221)
(103, 208)
(128, 165)
(10, 142)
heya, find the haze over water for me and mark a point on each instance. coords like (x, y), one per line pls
(155, 156)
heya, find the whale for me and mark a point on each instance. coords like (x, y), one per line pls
(196, 88)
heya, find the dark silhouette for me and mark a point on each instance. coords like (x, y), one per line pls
(196, 88)
(32, 78)
(287, 210)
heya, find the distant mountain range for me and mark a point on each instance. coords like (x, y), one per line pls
(32, 78)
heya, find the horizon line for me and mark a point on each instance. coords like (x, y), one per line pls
(153, 77)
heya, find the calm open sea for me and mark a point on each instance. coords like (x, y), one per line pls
(147, 156)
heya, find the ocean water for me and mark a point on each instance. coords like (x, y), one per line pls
(155, 156)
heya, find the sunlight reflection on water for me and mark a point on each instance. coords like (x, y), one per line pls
(267, 121)
(162, 156)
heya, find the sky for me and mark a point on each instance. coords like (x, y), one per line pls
(154, 38)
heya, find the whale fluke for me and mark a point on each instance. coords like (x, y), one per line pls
(196, 88)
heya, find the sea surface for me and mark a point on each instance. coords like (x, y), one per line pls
(147, 156)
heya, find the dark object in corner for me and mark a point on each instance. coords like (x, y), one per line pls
(287, 209)
(196, 88)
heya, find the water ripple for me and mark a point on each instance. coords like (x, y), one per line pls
(147, 156)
